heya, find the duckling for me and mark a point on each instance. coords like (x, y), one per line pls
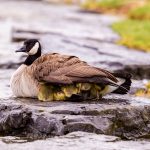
(53, 76)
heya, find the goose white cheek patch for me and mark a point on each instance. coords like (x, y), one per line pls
(34, 49)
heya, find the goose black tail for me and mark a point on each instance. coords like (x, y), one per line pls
(125, 86)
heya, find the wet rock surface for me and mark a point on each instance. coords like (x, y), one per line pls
(67, 30)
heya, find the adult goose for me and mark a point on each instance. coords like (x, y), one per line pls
(54, 76)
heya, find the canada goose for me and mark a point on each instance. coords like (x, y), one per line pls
(60, 77)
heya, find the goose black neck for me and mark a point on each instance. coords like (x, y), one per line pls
(31, 58)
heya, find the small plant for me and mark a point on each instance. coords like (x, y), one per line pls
(144, 92)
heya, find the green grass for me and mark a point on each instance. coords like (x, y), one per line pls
(111, 4)
(105, 5)
(102, 4)
(140, 13)
(134, 33)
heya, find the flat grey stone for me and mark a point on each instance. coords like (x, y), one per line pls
(124, 116)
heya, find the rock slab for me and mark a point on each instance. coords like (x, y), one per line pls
(128, 119)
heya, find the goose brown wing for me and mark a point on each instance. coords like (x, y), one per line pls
(62, 69)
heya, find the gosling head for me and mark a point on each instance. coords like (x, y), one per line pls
(32, 47)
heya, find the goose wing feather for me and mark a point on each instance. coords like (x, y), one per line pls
(62, 69)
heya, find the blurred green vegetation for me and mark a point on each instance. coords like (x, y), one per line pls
(135, 29)
(111, 4)
(134, 33)
(144, 92)
(107, 5)
(140, 13)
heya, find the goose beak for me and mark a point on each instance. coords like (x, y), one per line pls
(22, 49)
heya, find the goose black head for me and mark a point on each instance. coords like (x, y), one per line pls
(33, 48)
